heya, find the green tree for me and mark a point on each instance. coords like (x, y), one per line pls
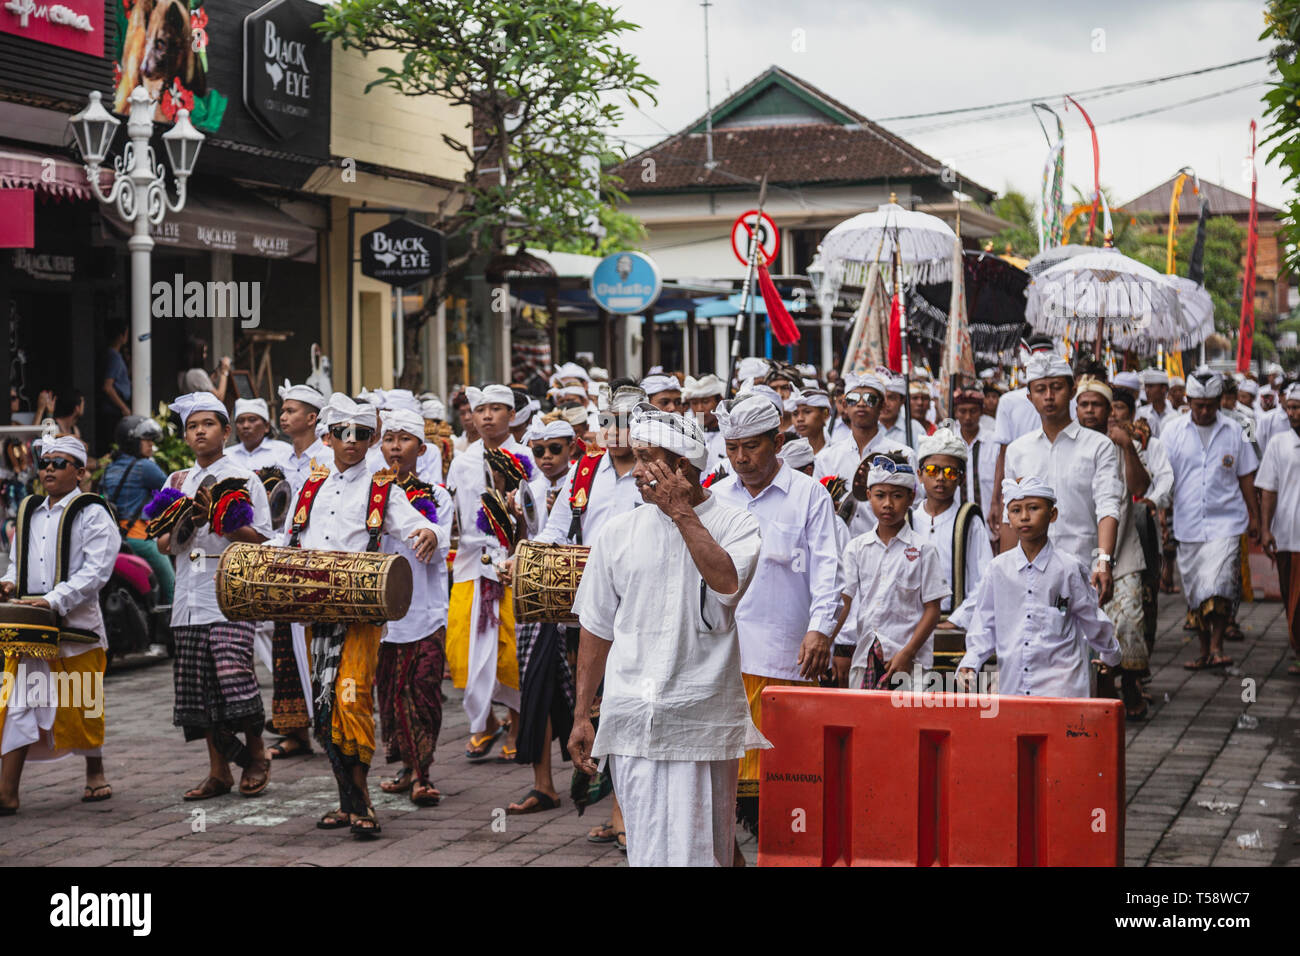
(1225, 242)
(1282, 108)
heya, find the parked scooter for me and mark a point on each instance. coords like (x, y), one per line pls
(134, 615)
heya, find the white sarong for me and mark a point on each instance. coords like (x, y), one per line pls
(1210, 569)
(677, 812)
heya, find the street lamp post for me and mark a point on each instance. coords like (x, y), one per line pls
(139, 191)
(826, 303)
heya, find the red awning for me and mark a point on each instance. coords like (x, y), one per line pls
(48, 175)
(17, 218)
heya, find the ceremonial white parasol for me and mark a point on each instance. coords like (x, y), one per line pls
(923, 242)
(1056, 254)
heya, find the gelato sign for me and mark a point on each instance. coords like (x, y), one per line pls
(71, 24)
(626, 283)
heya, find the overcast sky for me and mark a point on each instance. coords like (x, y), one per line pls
(888, 59)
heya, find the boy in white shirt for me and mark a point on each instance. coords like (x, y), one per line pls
(1036, 609)
(892, 586)
(1278, 481)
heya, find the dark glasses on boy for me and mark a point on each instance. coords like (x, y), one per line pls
(58, 464)
(870, 399)
(555, 448)
(352, 432)
(946, 471)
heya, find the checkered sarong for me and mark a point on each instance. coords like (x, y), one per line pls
(216, 688)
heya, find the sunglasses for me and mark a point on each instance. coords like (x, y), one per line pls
(555, 448)
(947, 471)
(891, 466)
(870, 399)
(58, 464)
(352, 432)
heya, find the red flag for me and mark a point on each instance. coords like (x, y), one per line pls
(895, 336)
(1247, 335)
(783, 327)
(1096, 170)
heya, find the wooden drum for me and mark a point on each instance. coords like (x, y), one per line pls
(545, 581)
(260, 583)
(28, 631)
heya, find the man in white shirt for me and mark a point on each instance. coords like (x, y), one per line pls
(864, 399)
(981, 453)
(1036, 609)
(894, 408)
(1081, 465)
(663, 392)
(703, 395)
(1157, 410)
(216, 688)
(255, 448)
(481, 622)
(53, 702)
(1279, 484)
(1016, 416)
(812, 411)
(412, 652)
(1214, 503)
(291, 712)
(787, 618)
(657, 610)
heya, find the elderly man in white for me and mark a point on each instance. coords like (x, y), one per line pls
(254, 448)
(1214, 503)
(1082, 465)
(657, 612)
(788, 617)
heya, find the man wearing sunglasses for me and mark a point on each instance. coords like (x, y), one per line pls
(864, 399)
(481, 624)
(64, 529)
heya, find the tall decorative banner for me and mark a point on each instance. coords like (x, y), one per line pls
(866, 349)
(1051, 225)
(1246, 335)
(1171, 259)
(1096, 170)
(958, 352)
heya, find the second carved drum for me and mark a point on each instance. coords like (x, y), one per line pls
(261, 583)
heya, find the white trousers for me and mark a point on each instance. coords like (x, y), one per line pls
(677, 812)
(481, 684)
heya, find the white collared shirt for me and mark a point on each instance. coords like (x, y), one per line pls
(1040, 618)
(92, 551)
(195, 599)
(981, 458)
(1269, 425)
(843, 457)
(1082, 467)
(1016, 416)
(890, 585)
(797, 586)
(467, 480)
(938, 531)
(337, 521)
(673, 686)
(1161, 490)
(611, 495)
(1208, 504)
(298, 467)
(428, 467)
(1280, 472)
(269, 452)
(1156, 419)
(429, 594)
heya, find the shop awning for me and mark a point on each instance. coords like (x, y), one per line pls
(48, 175)
(233, 220)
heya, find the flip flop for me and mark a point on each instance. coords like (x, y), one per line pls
(334, 820)
(480, 745)
(1198, 663)
(401, 782)
(1294, 670)
(209, 788)
(1219, 661)
(508, 754)
(1234, 632)
(428, 800)
(544, 802)
(606, 833)
(622, 843)
(92, 794)
(255, 779)
(277, 750)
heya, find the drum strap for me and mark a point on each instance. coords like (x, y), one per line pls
(64, 538)
(960, 527)
(379, 489)
(302, 511)
(580, 491)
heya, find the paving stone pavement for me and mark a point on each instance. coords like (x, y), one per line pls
(1192, 751)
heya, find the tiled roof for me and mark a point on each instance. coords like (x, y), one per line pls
(1223, 202)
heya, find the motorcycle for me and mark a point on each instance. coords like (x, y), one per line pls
(134, 616)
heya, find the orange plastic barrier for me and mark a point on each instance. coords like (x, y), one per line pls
(875, 778)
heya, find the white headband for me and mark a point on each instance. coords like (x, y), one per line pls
(525, 413)
(570, 370)
(813, 399)
(797, 453)
(187, 405)
(1204, 382)
(252, 406)
(654, 384)
(1249, 386)
(1127, 380)
(341, 410)
(1030, 486)
(402, 398)
(69, 445)
(852, 381)
(706, 386)
(401, 420)
(1046, 365)
(543, 431)
(1292, 393)
(302, 393)
(675, 433)
(883, 476)
(1153, 376)
(747, 415)
(944, 441)
(434, 409)
(492, 395)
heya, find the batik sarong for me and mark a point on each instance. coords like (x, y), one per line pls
(216, 687)
(409, 681)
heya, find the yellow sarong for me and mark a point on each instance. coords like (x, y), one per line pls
(754, 687)
(460, 623)
(75, 677)
(352, 721)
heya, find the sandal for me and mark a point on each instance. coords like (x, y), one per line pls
(92, 794)
(621, 839)
(1198, 663)
(1218, 660)
(254, 779)
(508, 754)
(366, 827)
(287, 747)
(480, 745)
(1139, 714)
(209, 788)
(334, 820)
(400, 783)
(604, 833)
(1233, 633)
(425, 795)
(543, 802)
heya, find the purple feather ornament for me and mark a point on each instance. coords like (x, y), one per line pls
(160, 502)
(238, 514)
(427, 507)
(481, 522)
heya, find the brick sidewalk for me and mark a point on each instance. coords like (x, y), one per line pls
(1191, 751)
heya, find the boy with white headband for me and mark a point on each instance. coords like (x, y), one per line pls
(663, 392)
(788, 616)
(893, 585)
(703, 395)
(481, 653)
(61, 555)
(812, 410)
(1156, 410)
(656, 605)
(1036, 609)
(344, 508)
(1278, 481)
(412, 653)
(254, 448)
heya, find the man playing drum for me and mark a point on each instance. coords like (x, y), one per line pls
(344, 509)
(61, 555)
